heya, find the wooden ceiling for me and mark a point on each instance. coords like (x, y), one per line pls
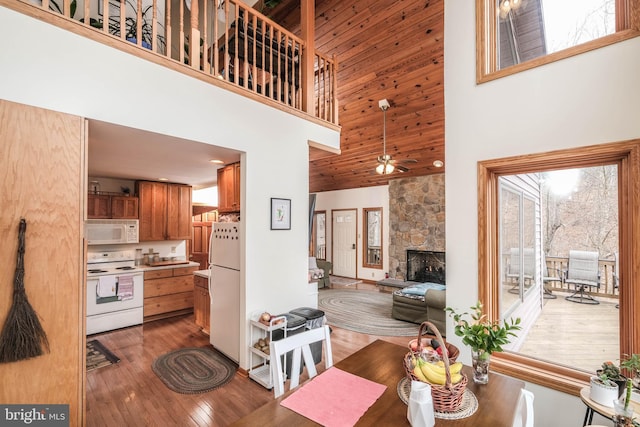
(386, 49)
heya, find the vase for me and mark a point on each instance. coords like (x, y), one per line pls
(622, 417)
(480, 366)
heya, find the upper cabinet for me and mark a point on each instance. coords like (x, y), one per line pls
(229, 188)
(165, 211)
(109, 206)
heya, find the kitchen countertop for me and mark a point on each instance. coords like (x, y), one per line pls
(164, 267)
(202, 273)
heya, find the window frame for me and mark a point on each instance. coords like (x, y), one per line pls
(627, 26)
(626, 155)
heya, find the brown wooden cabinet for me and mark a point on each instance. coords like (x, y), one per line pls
(165, 211)
(168, 292)
(201, 303)
(98, 206)
(124, 207)
(229, 188)
(109, 206)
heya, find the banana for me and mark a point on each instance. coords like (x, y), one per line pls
(418, 373)
(431, 375)
(453, 368)
(455, 378)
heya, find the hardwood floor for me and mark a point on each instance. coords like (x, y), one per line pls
(130, 394)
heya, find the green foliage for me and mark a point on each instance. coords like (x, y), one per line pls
(631, 363)
(482, 335)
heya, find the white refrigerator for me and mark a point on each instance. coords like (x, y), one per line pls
(224, 288)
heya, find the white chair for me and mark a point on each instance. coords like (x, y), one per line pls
(524, 411)
(300, 345)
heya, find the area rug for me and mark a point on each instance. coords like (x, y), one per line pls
(98, 355)
(367, 312)
(194, 370)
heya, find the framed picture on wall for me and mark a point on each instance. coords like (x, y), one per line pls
(280, 214)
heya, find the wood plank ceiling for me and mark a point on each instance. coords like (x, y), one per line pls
(386, 49)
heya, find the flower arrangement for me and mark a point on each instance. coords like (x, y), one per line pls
(481, 334)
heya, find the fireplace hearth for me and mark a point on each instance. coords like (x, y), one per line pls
(426, 266)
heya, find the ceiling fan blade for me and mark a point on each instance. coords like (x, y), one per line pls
(401, 169)
(407, 160)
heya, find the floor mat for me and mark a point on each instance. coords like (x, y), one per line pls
(98, 355)
(194, 370)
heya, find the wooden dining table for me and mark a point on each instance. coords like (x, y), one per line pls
(382, 362)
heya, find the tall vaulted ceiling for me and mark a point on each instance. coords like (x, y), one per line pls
(386, 49)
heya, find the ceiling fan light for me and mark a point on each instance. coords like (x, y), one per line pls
(385, 168)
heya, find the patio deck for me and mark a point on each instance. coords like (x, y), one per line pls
(577, 335)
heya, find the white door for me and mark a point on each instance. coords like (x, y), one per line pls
(344, 252)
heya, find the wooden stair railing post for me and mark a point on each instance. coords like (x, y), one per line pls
(307, 21)
(194, 36)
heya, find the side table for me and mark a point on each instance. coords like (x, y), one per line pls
(593, 407)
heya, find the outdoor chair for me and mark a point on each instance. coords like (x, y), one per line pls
(583, 271)
(550, 275)
(528, 267)
(300, 344)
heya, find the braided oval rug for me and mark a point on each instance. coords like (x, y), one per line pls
(194, 370)
(367, 312)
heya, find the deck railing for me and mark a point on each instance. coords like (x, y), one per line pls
(234, 43)
(558, 265)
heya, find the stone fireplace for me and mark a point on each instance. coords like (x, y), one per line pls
(426, 266)
(416, 219)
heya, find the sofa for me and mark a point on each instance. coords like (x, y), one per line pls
(320, 271)
(419, 303)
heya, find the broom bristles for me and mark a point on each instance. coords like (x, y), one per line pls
(22, 336)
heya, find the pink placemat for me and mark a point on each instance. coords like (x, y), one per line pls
(334, 398)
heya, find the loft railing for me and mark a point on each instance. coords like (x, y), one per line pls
(234, 43)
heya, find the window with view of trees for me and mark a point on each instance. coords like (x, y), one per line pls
(543, 207)
(515, 35)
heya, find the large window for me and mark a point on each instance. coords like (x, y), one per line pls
(516, 35)
(506, 197)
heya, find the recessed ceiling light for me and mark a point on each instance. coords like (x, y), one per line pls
(217, 161)
(438, 163)
(163, 179)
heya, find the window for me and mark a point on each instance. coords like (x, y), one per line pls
(516, 35)
(318, 246)
(372, 237)
(510, 180)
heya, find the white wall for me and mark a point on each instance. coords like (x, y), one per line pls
(51, 68)
(588, 99)
(359, 198)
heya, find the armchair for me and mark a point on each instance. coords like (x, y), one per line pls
(320, 270)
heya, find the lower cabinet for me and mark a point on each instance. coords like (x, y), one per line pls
(168, 292)
(201, 303)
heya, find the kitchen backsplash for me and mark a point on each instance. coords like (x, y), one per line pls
(165, 248)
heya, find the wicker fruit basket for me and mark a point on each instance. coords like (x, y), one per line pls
(447, 397)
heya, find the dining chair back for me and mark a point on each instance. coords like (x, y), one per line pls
(300, 345)
(524, 411)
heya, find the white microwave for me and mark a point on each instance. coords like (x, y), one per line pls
(111, 231)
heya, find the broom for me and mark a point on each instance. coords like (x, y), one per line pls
(22, 335)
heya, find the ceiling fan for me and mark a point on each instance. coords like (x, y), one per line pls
(386, 164)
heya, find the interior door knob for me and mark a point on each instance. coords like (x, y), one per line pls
(353, 246)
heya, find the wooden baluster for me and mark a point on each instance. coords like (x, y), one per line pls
(139, 19)
(154, 26)
(181, 33)
(194, 36)
(168, 27)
